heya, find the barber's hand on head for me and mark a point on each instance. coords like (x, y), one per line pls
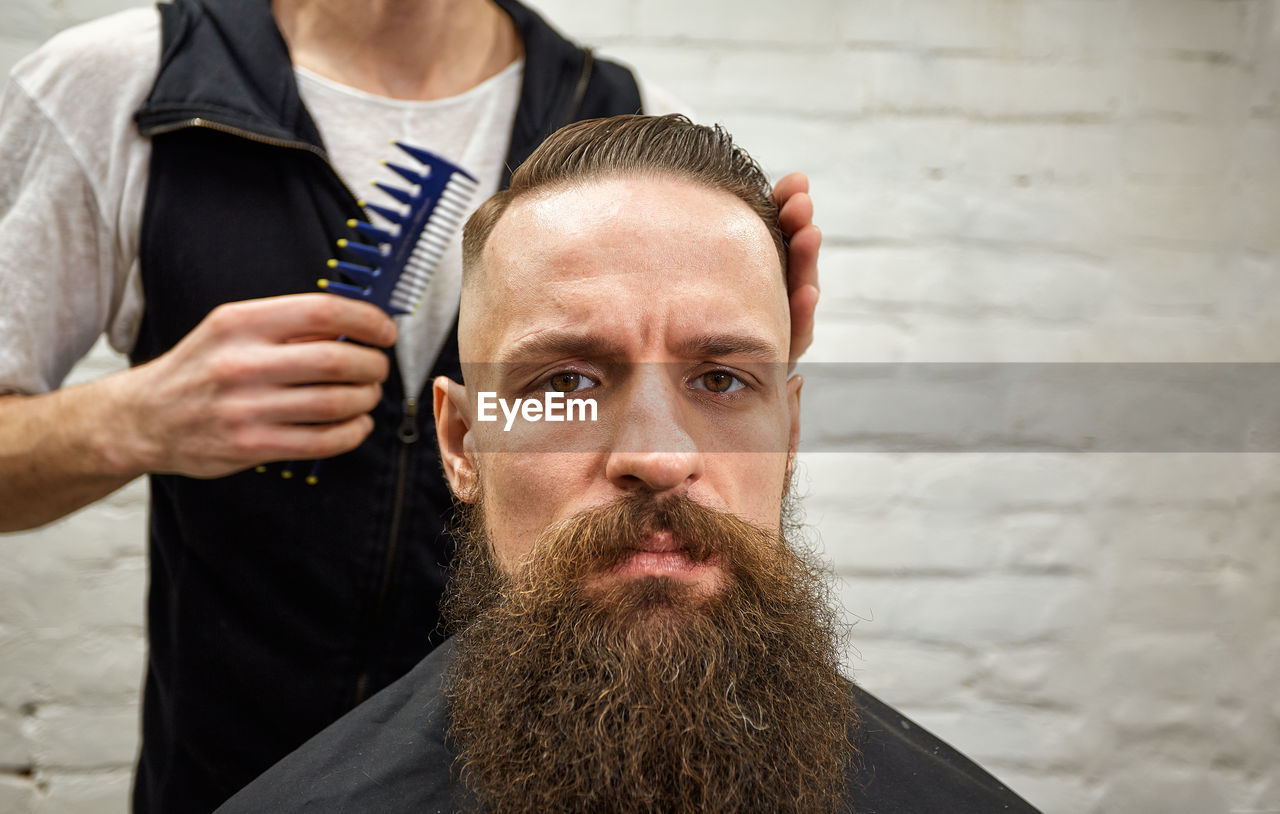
(259, 381)
(795, 207)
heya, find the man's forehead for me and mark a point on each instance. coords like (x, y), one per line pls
(622, 248)
(610, 213)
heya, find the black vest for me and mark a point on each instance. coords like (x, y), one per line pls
(276, 606)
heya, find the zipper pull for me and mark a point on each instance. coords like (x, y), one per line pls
(409, 421)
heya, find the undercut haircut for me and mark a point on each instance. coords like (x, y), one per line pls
(652, 146)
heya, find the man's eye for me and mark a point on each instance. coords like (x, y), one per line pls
(568, 382)
(718, 381)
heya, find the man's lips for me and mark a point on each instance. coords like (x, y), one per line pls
(661, 554)
(660, 542)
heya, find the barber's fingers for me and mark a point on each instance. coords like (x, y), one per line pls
(305, 404)
(319, 361)
(264, 443)
(295, 316)
(789, 186)
(803, 270)
(802, 286)
(796, 214)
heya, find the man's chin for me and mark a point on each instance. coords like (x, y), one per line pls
(660, 605)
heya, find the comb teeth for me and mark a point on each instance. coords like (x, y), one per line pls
(372, 232)
(395, 192)
(407, 174)
(391, 215)
(422, 262)
(395, 273)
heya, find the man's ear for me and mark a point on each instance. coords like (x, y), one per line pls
(793, 406)
(453, 424)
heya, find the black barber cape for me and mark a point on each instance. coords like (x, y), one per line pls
(388, 756)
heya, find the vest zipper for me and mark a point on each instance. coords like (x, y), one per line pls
(409, 435)
(209, 124)
(250, 135)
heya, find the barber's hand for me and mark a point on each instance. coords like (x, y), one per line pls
(258, 381)
(796, 215)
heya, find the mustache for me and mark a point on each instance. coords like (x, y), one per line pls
(603, 536)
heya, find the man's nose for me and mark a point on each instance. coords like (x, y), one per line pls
(654, 446)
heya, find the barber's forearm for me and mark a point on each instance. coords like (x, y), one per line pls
(59, 452)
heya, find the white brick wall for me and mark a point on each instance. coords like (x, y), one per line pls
(997, 180)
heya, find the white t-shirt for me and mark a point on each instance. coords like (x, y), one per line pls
(472, 130)
(73, 178)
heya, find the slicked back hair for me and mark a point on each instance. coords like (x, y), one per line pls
(632, 145)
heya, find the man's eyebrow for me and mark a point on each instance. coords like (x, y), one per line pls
(729, 344)
(546, 344)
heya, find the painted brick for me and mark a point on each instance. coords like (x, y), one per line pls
(31, 20)
(767, 82)
(14, 753)
(905, 541)
(1255, 201)
(85, 793)
(1263, 796)
(805, 24)
(1168, 667)
(100, 361)
(1073, 29)
(1162, 279)
(989, 338)
(873, 339)
(1167, 790)
(1038, 152)
(63, 599)
(977, 611)
(1044, 216)
(79, 11)
(911, 82)
(1172, 537)
(13, 49)
(1051, 793)
(889, 153)
(833, 486)
(72, 665)
(679, 70)
(1247, 275)
(1188, 154)
(1188, 25)
(1007, 735)
(995, 483)
(1184, 481)
(854, 210)
(912, 675)
(984, 25)
(1218, 603)
(84, 736)
(1195, 88)
(1023, 89)
(1258, 157)
(1041, 284)
(1045, 675)
(16, 794)
(1047, 542)
(592, 20)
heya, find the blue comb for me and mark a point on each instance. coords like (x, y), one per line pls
(393, 269)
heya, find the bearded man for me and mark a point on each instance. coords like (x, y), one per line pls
(634, 629)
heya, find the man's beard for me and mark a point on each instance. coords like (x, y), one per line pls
(647, 694)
